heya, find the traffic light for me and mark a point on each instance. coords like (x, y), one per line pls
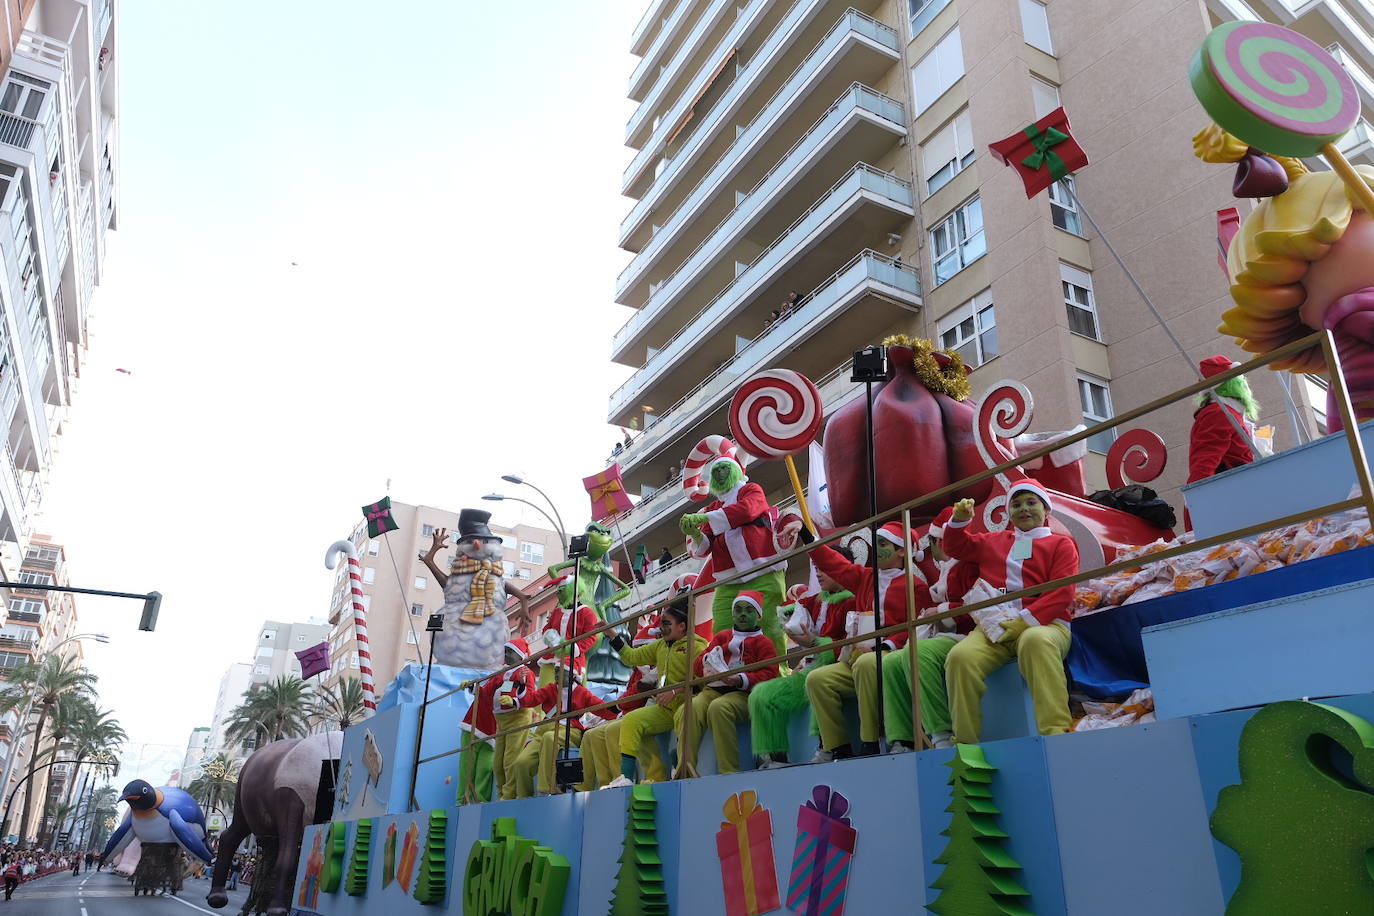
(151, 602)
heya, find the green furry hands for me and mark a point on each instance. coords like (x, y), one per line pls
(691, 523)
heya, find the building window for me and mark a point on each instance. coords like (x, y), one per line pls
(417, 610)
(269, 635)
(1063, 209)
(1045, 97)
(958, 241)
(508, 568)
(426, 531)
(1078, 299)
(522, 573)
(1316, 387)
(1096, 398)
(353, 659)
(531, 552)
(412, 638)
(42, 553)
(948, 152)
(261, 669)
(35, 578)
(300, 638)
(1035, 25)
(971, 329)
(264, 651)
(938, 70)
(369, 575)
(421, 582)
(373, 547)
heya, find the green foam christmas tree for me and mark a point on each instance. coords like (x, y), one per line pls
(979, 878)
(355, 881)
(639, 889)
(331, 874)
(432, 882)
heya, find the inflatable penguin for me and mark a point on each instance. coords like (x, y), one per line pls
(161, 815)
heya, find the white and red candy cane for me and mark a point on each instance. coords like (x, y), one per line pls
(776, 413)
(694, 472)
(355, 582)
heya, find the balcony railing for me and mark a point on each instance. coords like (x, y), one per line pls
(861, 178)
(24, 616)
(20, 645)
(16, 130)
(649, 61)
(851, 21)
(104, 12)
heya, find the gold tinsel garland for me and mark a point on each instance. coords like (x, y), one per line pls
(948, 380)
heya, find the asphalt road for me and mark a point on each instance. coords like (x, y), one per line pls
(104, 894)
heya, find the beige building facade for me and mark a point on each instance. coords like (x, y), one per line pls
(399, 592)
(840, 152)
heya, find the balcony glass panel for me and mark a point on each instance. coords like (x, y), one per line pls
(650, 60)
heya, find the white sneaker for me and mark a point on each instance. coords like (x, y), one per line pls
(619, 782)
(900, 749)
(823, 756)
(771, 764)
(942, 739)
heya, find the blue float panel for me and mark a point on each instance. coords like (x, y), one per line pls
(604, 822)
(1007, 709)
(1316, 644)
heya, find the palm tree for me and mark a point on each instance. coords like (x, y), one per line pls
(215, 785)
(44, 686)
(100, 815)
(96, 734)
(342, 705)
(270, 712)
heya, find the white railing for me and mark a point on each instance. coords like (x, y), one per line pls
(862, 177)
(655, 11)
(851, 21)
(649, 61)
(16, 130)
(40, 47)
(104, 12)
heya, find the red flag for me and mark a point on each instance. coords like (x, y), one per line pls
(1041, 153)
(607, 492)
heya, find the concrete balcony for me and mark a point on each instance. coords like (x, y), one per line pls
(856, 211)
(856, 49)
(647, 72)
(1358, 144)
(647, 27)
(870, 292)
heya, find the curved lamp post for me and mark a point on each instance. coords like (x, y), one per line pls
(499, 497)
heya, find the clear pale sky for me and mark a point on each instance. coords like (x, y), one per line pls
(351, 247)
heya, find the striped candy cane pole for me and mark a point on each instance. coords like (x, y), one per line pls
(355, 582)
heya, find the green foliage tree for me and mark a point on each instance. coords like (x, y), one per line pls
(979, 878)
(215, 785)
(338, 706)
(86, 731)
(271, 711)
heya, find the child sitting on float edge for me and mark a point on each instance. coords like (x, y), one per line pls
(1037, 634)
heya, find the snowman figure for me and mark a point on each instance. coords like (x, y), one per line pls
(475, 590)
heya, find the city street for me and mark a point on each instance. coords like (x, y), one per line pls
(104, 894)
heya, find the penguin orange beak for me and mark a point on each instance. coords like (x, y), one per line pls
(132, 798)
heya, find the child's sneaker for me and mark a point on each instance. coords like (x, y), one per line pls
(619, 782)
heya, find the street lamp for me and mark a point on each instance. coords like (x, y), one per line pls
(522, 482)
(498, 497)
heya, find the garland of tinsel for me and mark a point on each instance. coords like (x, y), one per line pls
(947, 380)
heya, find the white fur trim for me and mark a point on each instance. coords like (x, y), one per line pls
(955, 523)
(936, 531)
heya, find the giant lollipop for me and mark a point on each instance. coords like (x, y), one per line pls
(1280, 92)
(776, 414)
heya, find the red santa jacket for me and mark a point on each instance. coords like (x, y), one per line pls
(1052, 556)
(827, 619)
(554, 700)
(738, 533)
(891, 584)
(954, 578)
(1213, 444)
(481, 715)
(562, 622)
(741, 648)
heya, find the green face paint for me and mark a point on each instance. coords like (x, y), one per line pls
(746, 616)
(725, 476)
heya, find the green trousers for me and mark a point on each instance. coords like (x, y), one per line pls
(772, 705)
(830, 686)
(773, 585)
(931, 654)
(508, 748)
(601, 756)
(474, 764)
(720, 711)
(1040, 653)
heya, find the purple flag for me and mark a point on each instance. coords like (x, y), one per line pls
(313, 660)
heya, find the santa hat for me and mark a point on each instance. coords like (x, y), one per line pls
(519, 646)
(1027, 486)
(893, 533)
(684, 583)
(937, 527)
(648, 631)
(750, 597)
(1215, 365)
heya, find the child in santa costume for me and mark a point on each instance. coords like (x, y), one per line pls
(559, 629)
(856, 673)
(1215, 443)
(948, 579)
(539, 754)
(724, 703)
(814, 621)
(601, 740)
(1026, 554)
(503, 701)
(736, 532)
(664, 711)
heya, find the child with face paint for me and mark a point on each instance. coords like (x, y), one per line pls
(668, 654)
(736, 532)
(814, 621)
(1025, 554)
(601, 742)
(856, 674)
(724, 703)
(538, 756)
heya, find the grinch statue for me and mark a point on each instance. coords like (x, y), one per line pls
(736, 533)
(597, 585)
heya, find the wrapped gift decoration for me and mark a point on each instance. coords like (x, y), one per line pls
(745, 846)
(824, 851)
(379, 520)
(1041, 153)
(607, 492)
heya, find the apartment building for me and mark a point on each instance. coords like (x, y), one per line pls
(838, 151)
(274, 655)
(399, 592)
(235, 681)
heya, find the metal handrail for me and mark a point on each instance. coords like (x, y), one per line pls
(17, 130)
(655, 49)
(651, 306)
(1341, 395)
(663, 182)
(867, 253)
(680, 215)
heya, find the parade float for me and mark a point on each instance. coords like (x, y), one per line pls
(1222, 758)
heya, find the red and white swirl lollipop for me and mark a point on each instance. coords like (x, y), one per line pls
(776, 414)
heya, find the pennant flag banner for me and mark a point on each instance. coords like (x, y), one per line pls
(607, 492)
(1042, 153)
(313, 660)
(379, 520)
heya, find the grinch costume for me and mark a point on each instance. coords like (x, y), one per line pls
(722, 705)
(539, 755)
(655, 718)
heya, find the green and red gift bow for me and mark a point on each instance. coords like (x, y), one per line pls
(1041, 153)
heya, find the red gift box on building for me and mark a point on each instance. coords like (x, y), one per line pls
(1042, 153)
(745, 846)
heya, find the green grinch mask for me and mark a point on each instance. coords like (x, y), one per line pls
(725, 476)
(599, 541)
(746, 616)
